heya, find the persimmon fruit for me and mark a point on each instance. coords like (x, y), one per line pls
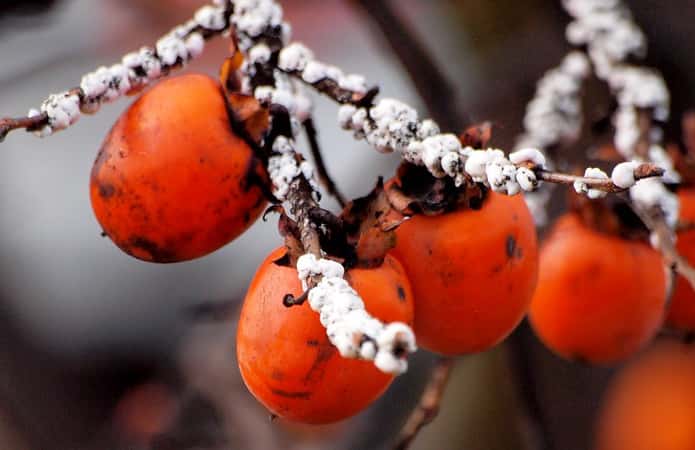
(172, 180)
(600, 297)
(285, 357)
(650, 404)
(681, 314)
(473, 273)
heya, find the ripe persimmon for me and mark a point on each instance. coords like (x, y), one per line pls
(600, 297)
(473, 273)
(172, 180)
(681, 314)
(650, 404)
(285, 357)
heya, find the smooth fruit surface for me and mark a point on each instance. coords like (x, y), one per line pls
(285, 357)
(171, 181)
(650, 405)
(599, 298)
(473, 273)
(681, 313)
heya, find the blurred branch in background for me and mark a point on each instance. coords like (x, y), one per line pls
(428, 77)
(428, 408)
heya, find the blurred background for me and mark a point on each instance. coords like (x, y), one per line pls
(102, 351)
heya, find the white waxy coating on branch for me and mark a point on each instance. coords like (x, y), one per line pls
(353, 331)
(651, 193)
(294, 57)
(553, 117)
(623, 174)
(582, 187)
(211, 18)
(136, 69)
(528, 155)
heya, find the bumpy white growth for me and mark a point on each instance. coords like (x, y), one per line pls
(651, 193)
(354, 332)
(607, 29)
(251, 18)
(581, 187)
(623, 174)
(283, 170)
(553, 117)
(211, 17)
(528, 155)
(294, 57)
(136, 69)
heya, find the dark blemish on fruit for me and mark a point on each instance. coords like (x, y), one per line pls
(277, 375)
(401, 293)
(247, 217)
(312, 343)
(324, 353)
(510, 246)
(287, 394)
(201, 160)
(106, 190)
(497, 269)
(156, 253)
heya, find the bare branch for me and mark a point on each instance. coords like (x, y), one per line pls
(428, 407)
(322, 171)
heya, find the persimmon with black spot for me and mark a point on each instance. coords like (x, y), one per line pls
(173, 181)
(600, 297)
(473, 271)
(284, 354)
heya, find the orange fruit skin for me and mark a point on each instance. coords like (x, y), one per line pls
(473, 273)
(599, 298)
(285, 357)
(650, 405)
(169, 183)
(681, 313)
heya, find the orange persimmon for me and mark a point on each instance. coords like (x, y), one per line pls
(473, 273)
(172, 180)
(285, 357)
(650, 405)
(681, 314)
(600, 297)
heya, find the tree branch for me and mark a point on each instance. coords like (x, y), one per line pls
(322, 171)
(428, 407)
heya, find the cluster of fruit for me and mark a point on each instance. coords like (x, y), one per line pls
(175, 181)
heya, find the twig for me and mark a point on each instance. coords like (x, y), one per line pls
(430, 81)
(28, 123)
(665, 241)
(646, 170)
(322, 171)
(428, 407)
